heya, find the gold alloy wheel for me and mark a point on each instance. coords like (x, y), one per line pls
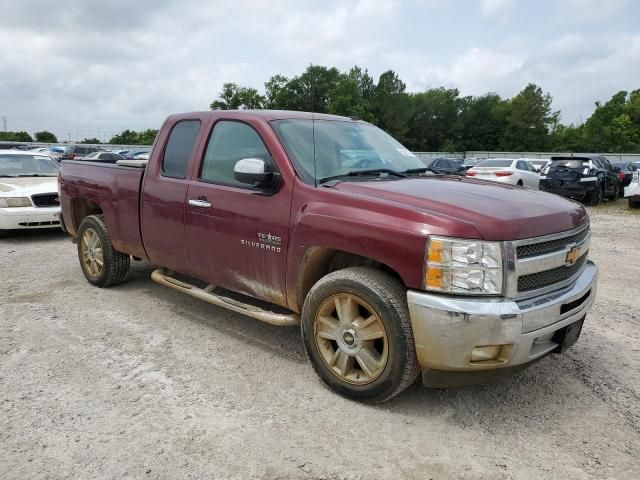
(91, 251)
(351, 339)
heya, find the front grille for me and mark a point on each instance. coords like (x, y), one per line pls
(550, 277)
(550, 246)
(45, 200)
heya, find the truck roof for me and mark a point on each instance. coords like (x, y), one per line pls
(266, 115)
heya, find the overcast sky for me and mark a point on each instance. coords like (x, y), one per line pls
(92, 68)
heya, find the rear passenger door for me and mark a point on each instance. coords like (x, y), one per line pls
(164, 195)
(236, 235)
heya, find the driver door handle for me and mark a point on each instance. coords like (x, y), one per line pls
(200, 203)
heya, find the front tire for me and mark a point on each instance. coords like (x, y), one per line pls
(634, 203)
(102, 265)
(357, 334)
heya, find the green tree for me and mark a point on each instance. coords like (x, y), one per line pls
(15, 137)
(273, 87)
(480, 124)
(434, 114)
(390, 105)
(597, 128)
(352, 95)
(529, 118)
(624, 135)
(46, 136)
(233, 97)
(93, 140)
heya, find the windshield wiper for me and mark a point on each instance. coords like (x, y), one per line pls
(422, 170)
(359, 173)
(35, 175)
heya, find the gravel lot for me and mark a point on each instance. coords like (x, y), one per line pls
(139, 381)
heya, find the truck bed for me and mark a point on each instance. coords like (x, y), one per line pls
(114, 190)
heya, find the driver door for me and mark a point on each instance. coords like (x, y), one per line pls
(237, 236)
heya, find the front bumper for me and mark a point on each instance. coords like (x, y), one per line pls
(447, 328)
(29, 217)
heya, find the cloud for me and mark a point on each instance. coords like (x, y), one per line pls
(588, 11)
(94, 68)
(500, 9)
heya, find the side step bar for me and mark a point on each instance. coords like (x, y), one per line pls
(163, 277)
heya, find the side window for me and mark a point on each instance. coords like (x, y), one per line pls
(607, 165)
(229, 142)
(179, 147)
(596, 163)
(521, 166)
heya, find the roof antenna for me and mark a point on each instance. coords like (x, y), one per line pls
(313, 134)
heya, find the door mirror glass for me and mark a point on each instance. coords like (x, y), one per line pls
(253, 171)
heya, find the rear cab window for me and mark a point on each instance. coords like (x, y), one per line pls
(178, 151)
(494, 163)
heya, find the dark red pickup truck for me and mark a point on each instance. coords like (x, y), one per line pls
(328, 222)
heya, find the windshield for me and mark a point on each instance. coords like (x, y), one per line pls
(27, 166)
(494, 163)
(341, 147)
(568, 163)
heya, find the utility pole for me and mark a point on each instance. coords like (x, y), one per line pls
(4, 123)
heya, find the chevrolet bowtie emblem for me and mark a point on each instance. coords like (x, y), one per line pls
(572, 256)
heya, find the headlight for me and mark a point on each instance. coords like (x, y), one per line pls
(10, 202)
(463, 266)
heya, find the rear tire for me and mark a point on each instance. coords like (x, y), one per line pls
(595, 197)
(520, 183)
(616, 195)
(634, 203)
(357, 334)
(102, 265)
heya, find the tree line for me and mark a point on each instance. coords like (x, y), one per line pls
(437, 119)
(127, 137)
(440, 119)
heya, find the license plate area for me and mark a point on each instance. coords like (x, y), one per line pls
(567, 336)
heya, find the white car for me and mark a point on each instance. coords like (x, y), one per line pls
(28, 191)
(632, 191)
(539, 163)
(515, 171)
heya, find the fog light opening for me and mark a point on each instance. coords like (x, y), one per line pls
(491, 353)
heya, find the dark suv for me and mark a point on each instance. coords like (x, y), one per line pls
(78, 151)
(587, 179)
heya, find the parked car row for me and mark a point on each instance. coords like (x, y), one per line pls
(588, 179)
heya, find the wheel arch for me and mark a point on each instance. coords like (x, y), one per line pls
(320, 261)
(81, 208)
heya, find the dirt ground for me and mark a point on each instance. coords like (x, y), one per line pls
(139, 381)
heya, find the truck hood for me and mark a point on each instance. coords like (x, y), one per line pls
(26, 186)
(496, 211)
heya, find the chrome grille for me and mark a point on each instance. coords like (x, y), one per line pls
(543, 279)
(542, 248)
(539, 265)
(45, 200)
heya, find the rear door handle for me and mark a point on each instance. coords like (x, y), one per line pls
(196, 202)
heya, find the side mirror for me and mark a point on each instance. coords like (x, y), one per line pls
(253, 171)
(538, 170)
(616, 169)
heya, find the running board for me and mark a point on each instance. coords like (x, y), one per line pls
(163, 277)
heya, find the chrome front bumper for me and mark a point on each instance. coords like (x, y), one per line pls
(447, 328)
